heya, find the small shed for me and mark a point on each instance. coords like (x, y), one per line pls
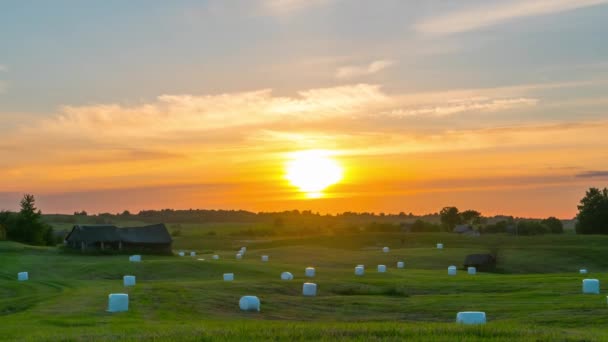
(482, 262)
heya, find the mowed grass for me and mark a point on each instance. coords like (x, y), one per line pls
(537, 297)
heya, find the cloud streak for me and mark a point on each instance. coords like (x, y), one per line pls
(458, 106)
(498, 13)
(593, 174)
(287, 7)
(348, 72)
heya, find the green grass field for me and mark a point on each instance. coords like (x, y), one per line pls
(536, 297)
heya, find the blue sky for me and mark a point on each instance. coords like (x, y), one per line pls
(369, 70)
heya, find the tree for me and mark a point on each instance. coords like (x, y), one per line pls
(470, 216)
(593, 212)
(28, 208)
(554, 225)
(450, 217)
(26, 226)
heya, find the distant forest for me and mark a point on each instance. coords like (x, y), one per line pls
(283, 222)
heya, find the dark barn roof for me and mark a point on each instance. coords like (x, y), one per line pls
(93, 233)
(156, 233)
(152, 234)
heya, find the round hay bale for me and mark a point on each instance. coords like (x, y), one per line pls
(591, 286)
(359, 270)
(215, 257)
(264, 258)
(128, 280)
(472, 270)
(471, 317)
(310, 272)
(381, 268)
(439, 246)
(452, 270)
(192, 254)
(582, 271)
(135, 258)
(286, 276)
(249, 303)
(181, 254)
(400, 264)
(309, 289)
(23, 276)
(239, 256)
(386, 249)
(118, 302)
(228, 276)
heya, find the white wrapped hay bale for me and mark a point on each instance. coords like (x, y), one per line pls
(386, 249)
(192, 254)
(128, 280)
(471, 317)
(381, 268)
(135, 258)
(228, 276)
(181, 253)
(452, 270)
(243, 249)
(23, 276)
(582, 271)
(309, 289)
(359, 271)
(239, 256)
(286, 276)
(310, 272)
(118, 302)
(400, 264)
(362, 266)
(439, 246)
(472, 270)
(215, 257)
(249, 303)
(591, 286)
(264, 258)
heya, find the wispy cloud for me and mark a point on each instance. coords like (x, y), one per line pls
(593, 174)
(457, 106)
(497, 13)
(286, 7)
(353, 71)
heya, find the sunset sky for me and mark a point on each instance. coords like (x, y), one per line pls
(499, 106)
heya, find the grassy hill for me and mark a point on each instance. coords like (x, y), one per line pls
(537, 295)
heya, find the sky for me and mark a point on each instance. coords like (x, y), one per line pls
(498, 106)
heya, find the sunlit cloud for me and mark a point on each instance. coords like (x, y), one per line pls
(286, 7)
(347, 72)
(496, 13)
(457, 106)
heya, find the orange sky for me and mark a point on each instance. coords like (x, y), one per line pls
(427, 105)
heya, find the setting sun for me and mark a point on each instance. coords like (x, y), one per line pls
(313, 171)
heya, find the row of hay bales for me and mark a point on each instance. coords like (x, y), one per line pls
(119, 302)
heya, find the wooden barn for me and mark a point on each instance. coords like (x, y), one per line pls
(147, 239)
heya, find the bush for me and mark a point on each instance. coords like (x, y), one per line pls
(531, 228)
(421, 226)
(554, 224)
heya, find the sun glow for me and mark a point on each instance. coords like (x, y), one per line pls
(313, 171)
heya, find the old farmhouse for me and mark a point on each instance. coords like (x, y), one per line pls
(151, 239)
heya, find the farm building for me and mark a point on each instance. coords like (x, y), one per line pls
(465, 229)
(154, 238)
